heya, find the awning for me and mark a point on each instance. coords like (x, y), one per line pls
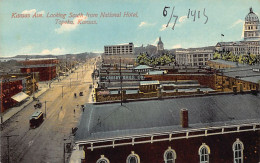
(20, 96)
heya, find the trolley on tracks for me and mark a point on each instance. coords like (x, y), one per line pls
(36, 119)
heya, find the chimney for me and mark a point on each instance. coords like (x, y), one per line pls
(184, 118)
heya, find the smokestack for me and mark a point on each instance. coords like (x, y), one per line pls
(184, 118)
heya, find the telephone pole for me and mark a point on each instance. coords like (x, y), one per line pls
(8, 147)
(62, 91)
(45, 108)
(121, 83)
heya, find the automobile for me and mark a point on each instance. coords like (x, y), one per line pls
(38, 105)
(81, 93)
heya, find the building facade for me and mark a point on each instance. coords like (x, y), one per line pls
(121, 49)
(162, 131)
(194, 58)
(239, 47)
(251, 27)
(251, 42)
(46, 72)
(9, 88)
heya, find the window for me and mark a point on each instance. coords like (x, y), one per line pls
(103, 159)
(204, 152)
(169, 156)
(238, 148)
(133, 158)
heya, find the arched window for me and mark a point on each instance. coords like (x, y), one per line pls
(169, 156)
(103, 159)
(204, 152)
(133, 158)
(238, 148)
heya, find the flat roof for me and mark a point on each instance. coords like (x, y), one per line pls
(149, 82)
(228, 62)
(244, 73)
(140, 67)
(157, 116)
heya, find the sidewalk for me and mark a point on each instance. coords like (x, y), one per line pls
(12, 111)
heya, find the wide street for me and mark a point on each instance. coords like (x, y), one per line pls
(45, 143)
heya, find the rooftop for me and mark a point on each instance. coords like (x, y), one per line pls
(244, 73)
(236, 64)
(149, 82)
(142, 67)
(158, 116)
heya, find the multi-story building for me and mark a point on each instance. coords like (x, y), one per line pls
(251, 27)
(251, 42)
(193, 57)
(16, 87)
(46, 72)
(239, 47)
(220, 128)
(121, 49)
(9, 88)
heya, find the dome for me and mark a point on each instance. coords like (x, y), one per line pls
(251, 16)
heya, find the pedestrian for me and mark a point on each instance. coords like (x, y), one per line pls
(61, 108)
(74, 111)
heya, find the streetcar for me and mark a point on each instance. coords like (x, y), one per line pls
(36, 119)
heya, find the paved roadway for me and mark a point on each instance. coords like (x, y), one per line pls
(45, 143)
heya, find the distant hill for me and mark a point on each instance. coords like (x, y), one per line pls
(77, 56)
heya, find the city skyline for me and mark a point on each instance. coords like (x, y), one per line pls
(143, 24)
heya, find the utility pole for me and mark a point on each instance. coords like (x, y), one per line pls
(64, 151)
(8, 148)
(2, 109)
(45, 108)
(62, 91)
(121, 83)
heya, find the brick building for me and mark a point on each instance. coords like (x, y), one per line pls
(46, 72)
(9, 88)
(221, 128)
(40, 61)
(46, 67)
(203, 79)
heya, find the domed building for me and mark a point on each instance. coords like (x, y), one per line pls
(251, 42)
(251, 27)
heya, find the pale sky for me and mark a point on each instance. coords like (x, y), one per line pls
(25, 36)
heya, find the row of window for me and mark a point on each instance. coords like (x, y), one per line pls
(170, 154)
(251, 27)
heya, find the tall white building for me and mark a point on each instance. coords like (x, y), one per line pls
(196, 57)
(251, 42)
(119, 49)
(251, 27)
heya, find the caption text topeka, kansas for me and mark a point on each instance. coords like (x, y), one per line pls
(76, 18)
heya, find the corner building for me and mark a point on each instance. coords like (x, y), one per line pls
(215, 129)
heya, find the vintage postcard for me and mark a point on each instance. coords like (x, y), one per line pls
(135, 81)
